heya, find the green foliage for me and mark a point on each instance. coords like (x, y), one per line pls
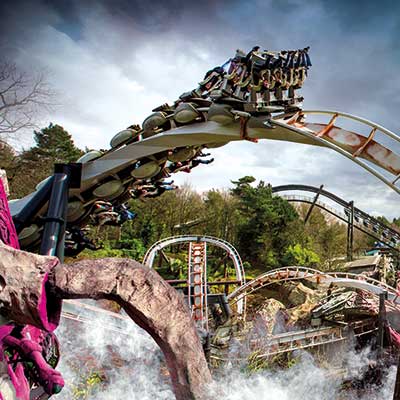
(267, 231)
(256, 363)
(55, 144)
(264, 225)
(7, 158)
(132, 248)
(324, 235)
(85, 388)
(26, 170)
(298, 255)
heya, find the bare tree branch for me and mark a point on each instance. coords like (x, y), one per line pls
(23, 99)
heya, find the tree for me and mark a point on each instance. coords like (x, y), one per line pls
(221, 215)
(264, 225)
(324, 235)
(23, 97)
(53, 145)
(8, 158)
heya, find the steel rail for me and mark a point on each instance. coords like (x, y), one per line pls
(151, 253)
(358, 225)
(148, 258)
(336, 199)
(332, 278)
(325, 143)
(298, 340)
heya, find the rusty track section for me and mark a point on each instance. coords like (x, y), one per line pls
(352, 145)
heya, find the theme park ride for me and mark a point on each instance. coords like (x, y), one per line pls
(252, 96)
(344, 211)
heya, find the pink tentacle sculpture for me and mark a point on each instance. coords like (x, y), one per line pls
(8, 234)
(28, 347)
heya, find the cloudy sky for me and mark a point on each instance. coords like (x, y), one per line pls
(113, 61)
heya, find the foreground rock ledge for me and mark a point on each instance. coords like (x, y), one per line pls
(153, 304)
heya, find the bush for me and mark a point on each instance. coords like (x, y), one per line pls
(299, 255)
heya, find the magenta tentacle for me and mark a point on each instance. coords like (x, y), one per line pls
(28, 346)
(8, 234)
(29, 349)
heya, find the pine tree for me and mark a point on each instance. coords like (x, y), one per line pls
(264, 223)
(53, 145)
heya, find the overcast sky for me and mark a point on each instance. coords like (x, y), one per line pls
(113, 61)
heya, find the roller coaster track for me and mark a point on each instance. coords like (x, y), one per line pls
(111, 174)
(349, 144)
(88, 314)
(340, 279)
(298, 340)
(151, 253)
(361, 220)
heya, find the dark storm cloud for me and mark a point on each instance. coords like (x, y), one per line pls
(116, 60)
(371, 16)
(68, 12)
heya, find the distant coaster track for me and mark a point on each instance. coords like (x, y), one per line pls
(233, 254)
(340, 279)
(351, 215)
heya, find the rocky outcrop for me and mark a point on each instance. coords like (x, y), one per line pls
(32, 288)
(152, 304)
(23, 295)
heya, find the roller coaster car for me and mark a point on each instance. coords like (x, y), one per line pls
(254, 89)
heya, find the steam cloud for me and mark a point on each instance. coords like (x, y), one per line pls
(134, 368)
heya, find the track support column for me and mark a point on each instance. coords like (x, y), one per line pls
(381, 323)
(350, 231)
(313, 204)
(65, 176)
(198, 282)
(396, 394)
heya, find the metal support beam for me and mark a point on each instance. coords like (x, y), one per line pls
(313, 204)
(25, 217)
(65, 176)
(350, 231)
(396, 394)
(56, 215)
(381, 323)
